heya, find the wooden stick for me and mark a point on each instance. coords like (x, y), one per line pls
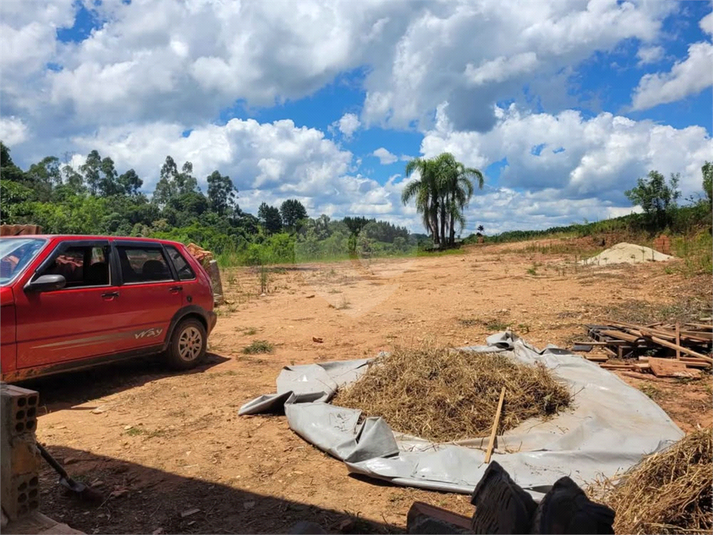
(682, 349)
(678, 340)
(495, 427)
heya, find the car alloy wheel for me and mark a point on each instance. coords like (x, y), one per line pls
(190, 344)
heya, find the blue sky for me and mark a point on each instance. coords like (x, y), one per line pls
(562, 104)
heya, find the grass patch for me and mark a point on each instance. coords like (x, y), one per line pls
(258, 346)
(668, 492)
(135, 431)
(442, 394)
(651, 391)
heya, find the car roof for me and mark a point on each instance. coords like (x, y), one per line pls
(61, 237)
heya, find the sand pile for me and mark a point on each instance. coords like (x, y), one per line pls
(626, 253)
(442, 395)
(668, 492)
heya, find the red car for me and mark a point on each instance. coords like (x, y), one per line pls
(69, 302)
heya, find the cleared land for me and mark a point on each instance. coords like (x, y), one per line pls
(161, 445)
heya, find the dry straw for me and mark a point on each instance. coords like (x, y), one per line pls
(443, 395)
(668, 492)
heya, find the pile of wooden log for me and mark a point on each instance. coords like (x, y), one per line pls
(666, 350)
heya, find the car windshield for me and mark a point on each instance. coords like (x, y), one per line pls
(15, 255)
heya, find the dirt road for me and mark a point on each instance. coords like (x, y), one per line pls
(162, 446)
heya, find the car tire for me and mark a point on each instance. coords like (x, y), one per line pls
(187, 346)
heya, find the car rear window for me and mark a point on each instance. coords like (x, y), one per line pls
(81, 266)
(179, 262)
(140, 264)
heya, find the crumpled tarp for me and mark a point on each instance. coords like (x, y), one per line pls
(608, 430)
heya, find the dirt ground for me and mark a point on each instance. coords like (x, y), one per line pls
(170, 454)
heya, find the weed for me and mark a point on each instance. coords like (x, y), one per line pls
(468, 322)
(344, 304)
(258, 346)
(497, 325)
(249, 331)
(523, 328)
(135, 431)
(533, 269)
(334, 291)
(651, 391)
(264, 278)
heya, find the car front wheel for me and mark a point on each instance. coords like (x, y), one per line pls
(188, 345)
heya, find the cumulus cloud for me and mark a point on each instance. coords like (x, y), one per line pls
(579, 158)
(12, 131)
(385, 157)
(185, 61)
(347, 125)
(649, 54)
(501, 68)
(687, 77)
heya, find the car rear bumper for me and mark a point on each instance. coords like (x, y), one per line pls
(212, 318)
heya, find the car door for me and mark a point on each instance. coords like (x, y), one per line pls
(77, 321)
(149, 293)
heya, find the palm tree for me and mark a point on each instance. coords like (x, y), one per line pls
(442, 191)
(424, 190)
(456, 186)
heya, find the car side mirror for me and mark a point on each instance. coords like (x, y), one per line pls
(46, 283)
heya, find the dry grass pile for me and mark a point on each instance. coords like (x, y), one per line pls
(443, 395)
(668, 492)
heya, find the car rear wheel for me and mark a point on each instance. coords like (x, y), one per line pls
(188, 345)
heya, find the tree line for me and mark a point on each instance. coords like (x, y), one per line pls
(93, 198)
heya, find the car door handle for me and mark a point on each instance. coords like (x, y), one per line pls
(175, 289)
(110, 295)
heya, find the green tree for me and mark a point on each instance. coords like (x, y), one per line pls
(656, 197)
(91, 169)
(707, 171)
(292, 211)
(221, 193)
(442, 191)
(270, 218)
(456, 189)
(172, 182)
(8, 169)
(425, 192)
(130, 182)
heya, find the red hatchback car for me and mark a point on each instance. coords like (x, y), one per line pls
(69, 302)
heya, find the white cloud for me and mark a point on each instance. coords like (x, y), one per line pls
(501, 68)
(649, 54)
(185, 61)
(706, 24)
(578, 158)
(687, 77)
(385, 157)
(347, 125)
(12, 131)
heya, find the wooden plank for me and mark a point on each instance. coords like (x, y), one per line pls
(609, 352)
(597, 358)
(671, 368)
(678, 341)
(620, 335)
(685, 350)
(491, 443)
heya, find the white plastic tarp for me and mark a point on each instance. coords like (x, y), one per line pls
(609, 428)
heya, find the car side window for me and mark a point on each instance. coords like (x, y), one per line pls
(185, 272)
(143, 264)
(81, 266)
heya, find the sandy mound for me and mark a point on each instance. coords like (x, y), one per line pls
(443, 395)
(626, 253)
